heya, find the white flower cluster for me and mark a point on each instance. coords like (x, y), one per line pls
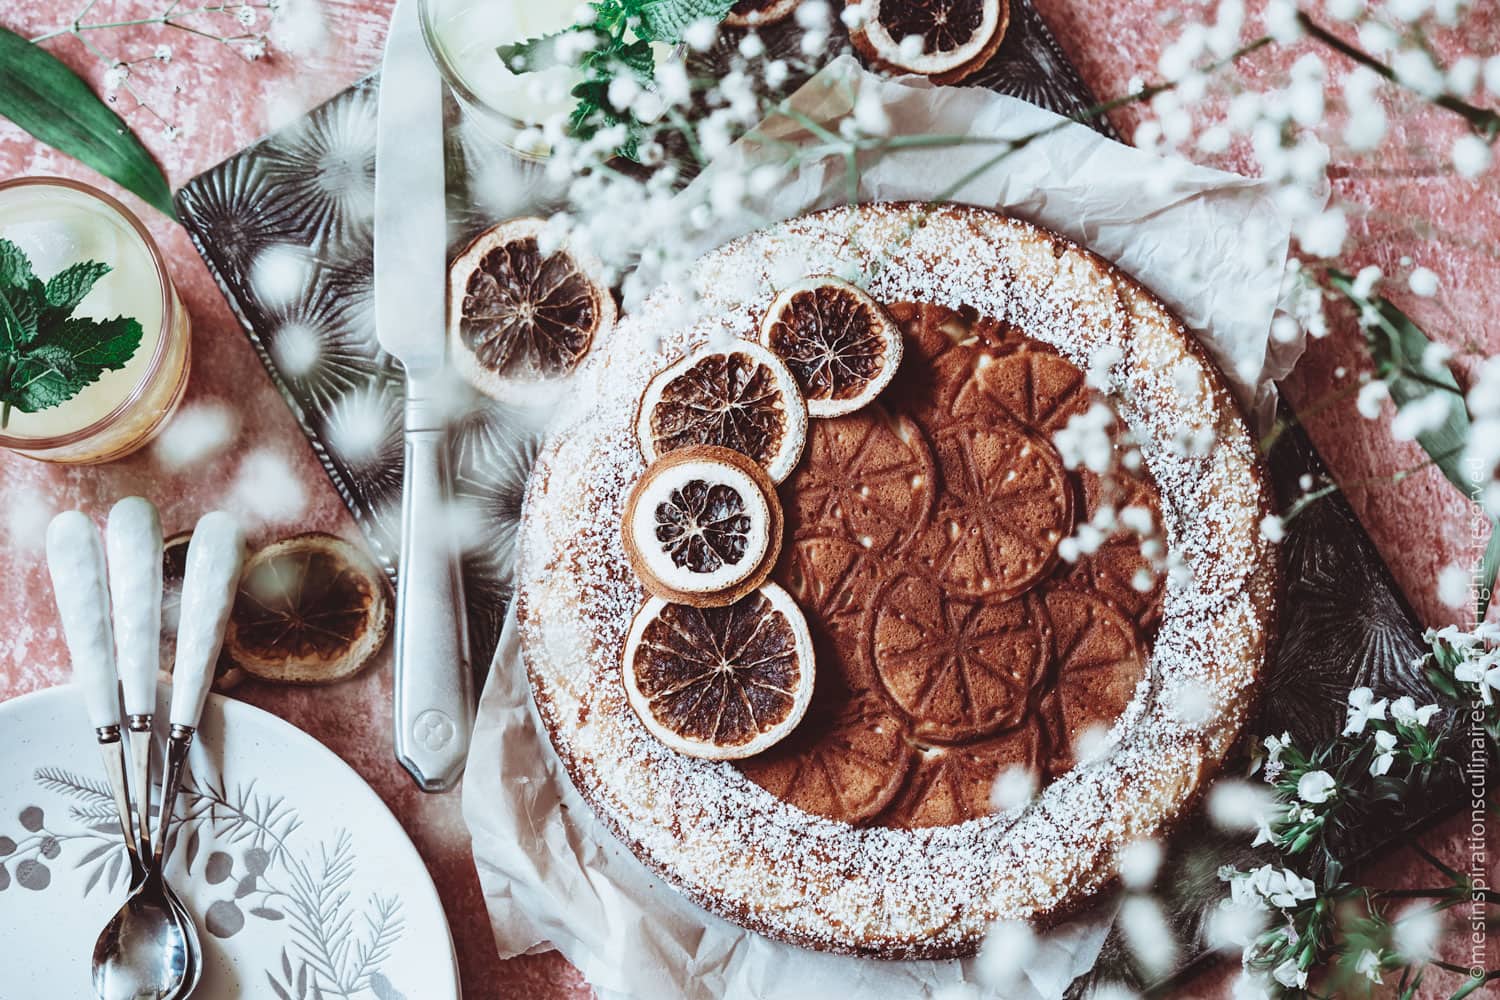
(1479, 651)
(1268, 887)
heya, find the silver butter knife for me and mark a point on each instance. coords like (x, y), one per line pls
(434, 711)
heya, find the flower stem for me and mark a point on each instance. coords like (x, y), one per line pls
(1482, 120)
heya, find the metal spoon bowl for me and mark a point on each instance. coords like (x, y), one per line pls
(149, 948)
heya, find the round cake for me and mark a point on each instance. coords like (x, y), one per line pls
(1027, 656)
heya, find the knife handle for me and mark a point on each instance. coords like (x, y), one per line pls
(434, 687)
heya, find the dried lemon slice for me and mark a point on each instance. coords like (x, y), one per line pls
(945, 40)
(759, 13)
(520, 320)
(742, 397)
(311, 609)
(838, 342)
(703, 526)
(720, 683)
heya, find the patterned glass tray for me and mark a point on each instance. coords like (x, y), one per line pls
(300, 202)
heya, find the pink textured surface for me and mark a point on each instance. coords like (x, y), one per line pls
(225, 102)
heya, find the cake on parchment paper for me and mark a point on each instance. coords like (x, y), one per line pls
(966, 627)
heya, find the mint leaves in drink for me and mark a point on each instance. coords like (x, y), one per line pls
(47, 355)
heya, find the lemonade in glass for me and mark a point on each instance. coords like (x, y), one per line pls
(58, 223)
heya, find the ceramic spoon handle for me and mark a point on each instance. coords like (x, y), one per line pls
(75, 557)
(133, 540)
(214, 559)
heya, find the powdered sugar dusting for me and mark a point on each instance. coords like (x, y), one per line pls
(742, 852)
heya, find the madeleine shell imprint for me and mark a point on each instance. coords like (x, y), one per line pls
(520, 321)
(741, 397)
(720, 683)
(837, 340)
(703, 526)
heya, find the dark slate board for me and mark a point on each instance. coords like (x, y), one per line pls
(310, 186)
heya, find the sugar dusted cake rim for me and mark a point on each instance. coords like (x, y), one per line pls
(744, 854)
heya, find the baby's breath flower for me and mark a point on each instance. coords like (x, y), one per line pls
(1454, 586)
(1323, 235)
(115, 77)
(1371, 395)
(1425, 413)
(1492, 75)
(701, 34)
(1471, 156)
(1423, 281)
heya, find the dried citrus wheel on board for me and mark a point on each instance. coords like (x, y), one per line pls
(227, 676)
(741, 397)
(958, 668)
(1009, 504)
(942, 39)
(720, 683)
(1100, 660)
(703, 526)
(847, 764)
(869, 477)
(838, 342)
(311, 609)
(519, 319)
(758, 13)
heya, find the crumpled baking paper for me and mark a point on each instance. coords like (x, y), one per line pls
(1210, 244)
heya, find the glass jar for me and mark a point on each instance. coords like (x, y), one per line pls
(463, 36)
(59, 222)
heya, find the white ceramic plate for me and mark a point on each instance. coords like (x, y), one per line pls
(302, 882)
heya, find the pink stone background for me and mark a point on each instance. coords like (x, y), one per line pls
(1409, 205)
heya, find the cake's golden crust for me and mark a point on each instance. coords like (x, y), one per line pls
(735, 849)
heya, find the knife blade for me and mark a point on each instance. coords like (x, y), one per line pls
(434, 701)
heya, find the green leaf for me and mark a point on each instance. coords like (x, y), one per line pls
(46, 98)
(533, 54)
(1398, 346)
(15, 266)
(639, 59)
(80, 352)
(666, 20)
(67, 288)
(102, 344)
(19, 317)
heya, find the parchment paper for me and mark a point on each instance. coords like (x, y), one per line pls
(1211, 244)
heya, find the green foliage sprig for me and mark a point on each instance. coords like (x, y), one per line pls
(618, 45)
(48, 355)
(1335, 937)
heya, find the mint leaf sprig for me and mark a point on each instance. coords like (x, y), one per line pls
(617, 45)
(47, 355)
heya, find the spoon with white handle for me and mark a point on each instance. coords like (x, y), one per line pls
(134, 544)
(75, 558)
(215, 557)
(151, 940)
